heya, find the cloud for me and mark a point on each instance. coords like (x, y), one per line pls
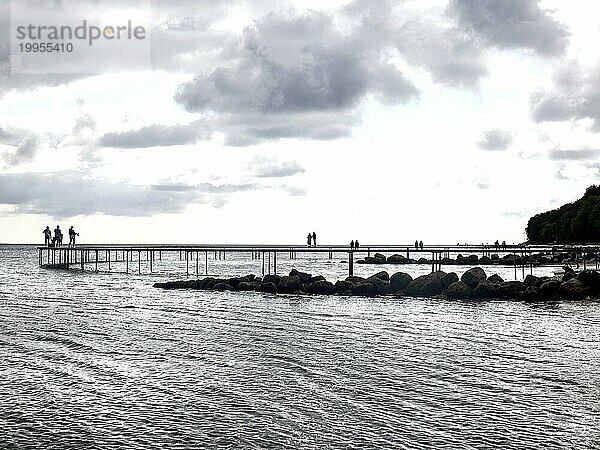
(291, 67)
(24, 142)
(271, 168)
(573, 155)
(154, 136)
(574, 95)
(511, 24)
(68, 194)
(495, 140)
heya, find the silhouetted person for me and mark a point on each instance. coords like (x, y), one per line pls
(421, 245)
(72, 235)
(309, 239)
(417, 245)
(497, 244)
(504, 245)
(47, 236)
(351, 245)
(314, 237)
(57, 236)
(356, 245)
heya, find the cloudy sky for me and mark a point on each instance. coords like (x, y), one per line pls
(257, 121)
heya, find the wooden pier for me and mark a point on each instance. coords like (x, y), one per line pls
(196, 257)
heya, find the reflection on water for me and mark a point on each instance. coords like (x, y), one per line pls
(105, 361)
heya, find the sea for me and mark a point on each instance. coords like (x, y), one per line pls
(105, 361)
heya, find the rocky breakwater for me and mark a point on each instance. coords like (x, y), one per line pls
(474, 284)
(537, 259)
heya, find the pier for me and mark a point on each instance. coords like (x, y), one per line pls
(197, 257)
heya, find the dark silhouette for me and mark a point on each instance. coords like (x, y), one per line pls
(497, 245)
(58, 236)
(417, 245)
(351, 245)
(577, 222)
(309, 239)
(503, 245)
(47, 236)
(356, 245)
(314, 238)
(421, 245)
(72, 235)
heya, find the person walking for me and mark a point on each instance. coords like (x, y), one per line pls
(72, 235)
(47, 236)
(314, 238)
(309, 239)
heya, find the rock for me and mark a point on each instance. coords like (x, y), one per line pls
(423, 261)
(531, 294)
(247, 286)
(549, 289)
(316, 278)
(397, 259)
(471, 260)
(399, 281)
(473, 276)
(172, 285)
(495, 257)
(275, 279)
(590, 279)
(364, 289)
(426, 285)
(495, 279)
(383, 275)
(304, 277)
(569, 274)
(447, 261)
(289, 284)
(196, 284)
(209, 282)
(381, 287)
(458, 290)
(354, 279)
(510, 289)
(486, 289)
(223, 287)
(343, 287)
(268, 288)
(573, 290)
(320, 287)
(485, 260)
(448, 279)
(532, 280)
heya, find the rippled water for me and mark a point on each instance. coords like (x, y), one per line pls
(105, 361)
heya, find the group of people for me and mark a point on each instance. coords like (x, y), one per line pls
(311, 239)
(419, 245)
(354, 245)
(57, 239)
(499, 246)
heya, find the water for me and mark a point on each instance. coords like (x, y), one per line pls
(106, 361)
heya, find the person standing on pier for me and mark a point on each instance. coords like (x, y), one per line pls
(416, 245)
(356, 245)
(352, 245)
(72, 235)
(309, 239)
(57, 236)
(421, 245)
(314, 238)
(47, 236)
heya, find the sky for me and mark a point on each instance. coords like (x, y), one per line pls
(241, 121)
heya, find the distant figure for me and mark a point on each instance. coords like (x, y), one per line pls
(355, 245)
(309, 239)
(72, 235)
(497, 244)
(47, 236)
(57, 236)
(417, 245)
(351, 245)
(503, 245)
(421, 245)
(314, 237)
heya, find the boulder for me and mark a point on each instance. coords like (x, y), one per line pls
(208, 283)
(316, 278)
(531, 294)
(383, 275)
(495, 279)
(236, 280)
(268, 288)
(247, 286)
(365, 289)
(510, 289)
(448, 279)
(289, 284)
(549, 289)
(320, 287)
(381, 287)
(569, 274)
(343, 287)
(354, 279)
(486, 289)
(573, 290)
(275, 279)
(591, 279)
(459, 290)
(223, 287)
(426, 285)
(399, 281)
(397, 259)
(195, 284)
(381, 258)
(485, 260)
(532, 280)
(495, 257)
(473, 276)
(423, 261)
(304, 277)
(471, 259)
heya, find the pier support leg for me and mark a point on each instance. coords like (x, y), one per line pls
(96, 260)
(350, 264)
(140, 262)
(275, 263)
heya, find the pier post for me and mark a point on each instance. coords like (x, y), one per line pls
(196, 262)
(151, 254)
(127, 262)
(350, 263)
(140, 261)
(108, 258)
(40, 257)
(187, 263)
(82, 262)
(275, 263)
(96, 260)
(263, 263)
(206, 262)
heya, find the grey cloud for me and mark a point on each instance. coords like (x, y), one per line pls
(495, 140)
(511, 24)
(25, 144)
(271, 168)
(289, 67)
(154, 136)
(68, 194)
(575, 95)
(573, 155)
